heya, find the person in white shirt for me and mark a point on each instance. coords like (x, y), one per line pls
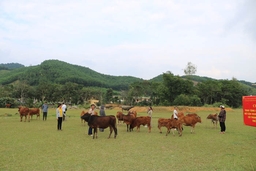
(92, 112)
(175, 113)
(64, 109)
(150, 112)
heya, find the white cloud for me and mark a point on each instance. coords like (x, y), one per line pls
(138, 38)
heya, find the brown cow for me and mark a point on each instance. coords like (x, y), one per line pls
(34, 111)
(96, 122)
(83, 112)
(119, 116)
(128, 119)
(142, 120)
(23, 112)
(214, 118)
(8, 105)
(170, 124)
(133, 112)
(190, 120)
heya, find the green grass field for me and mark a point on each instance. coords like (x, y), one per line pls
(37, 145)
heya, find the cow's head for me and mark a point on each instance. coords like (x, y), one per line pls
(199, 119)
(209, 116)
(86, 117)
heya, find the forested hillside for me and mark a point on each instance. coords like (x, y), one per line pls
(248, 86)
(59, 72)
(10, 66)
(55, 81)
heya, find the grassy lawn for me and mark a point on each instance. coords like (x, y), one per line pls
(37, 145)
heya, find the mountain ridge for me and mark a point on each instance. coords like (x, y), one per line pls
(60, 72)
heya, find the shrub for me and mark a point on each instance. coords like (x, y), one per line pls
(187, 100)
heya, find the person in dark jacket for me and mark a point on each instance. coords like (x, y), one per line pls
(102, 113)
(45, 110)
(222, 119)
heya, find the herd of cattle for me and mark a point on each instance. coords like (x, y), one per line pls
(28, 112)
(131, 120)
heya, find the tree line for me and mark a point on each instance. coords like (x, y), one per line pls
(57, 81)
(173, 90)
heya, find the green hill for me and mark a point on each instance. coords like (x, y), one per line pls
(194, 78)
(59, 72)
(250, 87)
(10, 66)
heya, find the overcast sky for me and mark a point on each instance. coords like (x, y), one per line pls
(140, 38)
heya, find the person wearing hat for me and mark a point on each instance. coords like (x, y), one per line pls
(59, 116)
(92, 112)
(222, 119)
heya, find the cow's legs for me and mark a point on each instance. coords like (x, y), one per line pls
(138, 128)
(167, 132)
(95, 133)
(160, 130)
(29, 118)
(115, 130)
(173, 131)
(149, 128)
(111, 130)
(180, 128)
(192, 129)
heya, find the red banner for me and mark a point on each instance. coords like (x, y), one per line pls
(249, 110)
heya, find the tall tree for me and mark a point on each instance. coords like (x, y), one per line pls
(172, 87)
(109, 95)
(190, 69)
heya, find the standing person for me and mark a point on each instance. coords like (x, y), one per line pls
(59, 116)
(45, 110)
(91, 112)
(64, 109)
(102, 113)
(150, 112)
(175, 113)
(222, 119)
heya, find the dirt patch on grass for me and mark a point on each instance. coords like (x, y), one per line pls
(184, 109)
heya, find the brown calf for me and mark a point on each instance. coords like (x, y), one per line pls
(170, 124)
(214, 118)
(190, 120)
(128, 119)
(33, 111)
(119, 117)
(23, 112)
(8, 105)
(133, 112)
(142, 120)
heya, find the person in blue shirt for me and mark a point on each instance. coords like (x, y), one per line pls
(45, 111)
